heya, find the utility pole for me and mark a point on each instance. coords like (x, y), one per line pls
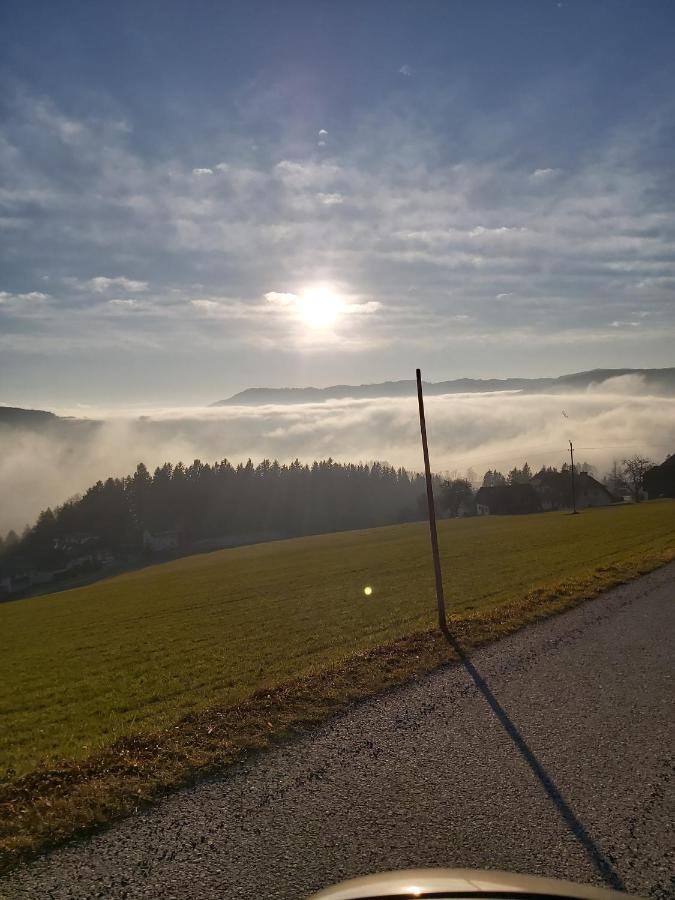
(440, 599)
(574, 499)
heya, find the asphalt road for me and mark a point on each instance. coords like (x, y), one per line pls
(551, 753)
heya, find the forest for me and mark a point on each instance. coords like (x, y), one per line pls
(182, 509)
(223, 502)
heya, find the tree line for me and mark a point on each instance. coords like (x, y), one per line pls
(220, 501)
(459, 493)
(244, 503)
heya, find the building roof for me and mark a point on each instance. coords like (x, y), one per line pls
(509, 499)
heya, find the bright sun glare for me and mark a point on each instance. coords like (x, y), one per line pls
(319, 307)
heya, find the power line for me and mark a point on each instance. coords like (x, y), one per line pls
(624, 446)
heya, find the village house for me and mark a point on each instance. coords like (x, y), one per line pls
(547, 490)
(507, 500)
(161, 541)
(554, 490)
(660, 480)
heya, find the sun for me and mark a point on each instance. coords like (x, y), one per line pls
(319, 307)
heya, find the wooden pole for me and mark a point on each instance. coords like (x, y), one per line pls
(440, 599)
(574, 498)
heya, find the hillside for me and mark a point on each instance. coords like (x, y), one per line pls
(659, 380)
(137, 651)
(41, 421)
(112, 693)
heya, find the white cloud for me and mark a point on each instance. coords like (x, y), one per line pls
(541, 174)
(278, 298)
(101, 283)
(574, 257)
(123, 303)
(481, 230)
(322, 132)
(370, 306)
(406, 70)
(330, 199)
(205, 305)
(202, 171)
(628, 324)
(30, 297)
(305, 174)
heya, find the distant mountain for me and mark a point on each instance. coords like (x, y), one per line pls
(14, 415)
(16, 418)
(659, 380)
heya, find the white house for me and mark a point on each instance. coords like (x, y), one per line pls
(161, 540)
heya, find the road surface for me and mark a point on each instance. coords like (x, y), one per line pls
(549, 753)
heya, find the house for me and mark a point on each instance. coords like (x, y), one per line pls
(554, 490)
(16, 584)
(77, 542)
(507, 499)
(160, 541)
(659, 481)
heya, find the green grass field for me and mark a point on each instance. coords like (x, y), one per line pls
(135, 653)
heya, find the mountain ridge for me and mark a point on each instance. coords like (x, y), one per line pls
(663, 378)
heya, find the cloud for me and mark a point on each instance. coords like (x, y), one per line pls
(101, 283)
(278, 298)
(406, 70)
(202, 171)
(206, 305)
(123, 303)
(437, 230)
(30, 297)
(481, 230)
(330, 199)
(322, 132)
(609, 421)
(370, 306)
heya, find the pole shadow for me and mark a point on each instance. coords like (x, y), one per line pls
(600, 862)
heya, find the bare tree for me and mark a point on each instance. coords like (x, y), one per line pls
(634, 469)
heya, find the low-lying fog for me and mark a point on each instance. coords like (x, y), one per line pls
(480, 431)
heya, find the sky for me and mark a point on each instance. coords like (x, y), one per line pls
(200, 197)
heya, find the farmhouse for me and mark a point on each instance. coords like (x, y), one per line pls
(77, 542)
(159, 541)
(660, 480)
(507, 499)
(554, 490)
(547, 490)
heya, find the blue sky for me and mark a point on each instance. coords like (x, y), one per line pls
(482, 189)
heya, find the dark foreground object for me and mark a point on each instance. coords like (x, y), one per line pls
(550, 754)
(467, 884)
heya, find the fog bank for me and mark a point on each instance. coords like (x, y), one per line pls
(492, 430)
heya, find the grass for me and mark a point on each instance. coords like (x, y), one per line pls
(112, 692)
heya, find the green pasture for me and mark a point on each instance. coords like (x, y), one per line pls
(136, 652)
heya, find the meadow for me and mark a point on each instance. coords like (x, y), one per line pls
(136, 653)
